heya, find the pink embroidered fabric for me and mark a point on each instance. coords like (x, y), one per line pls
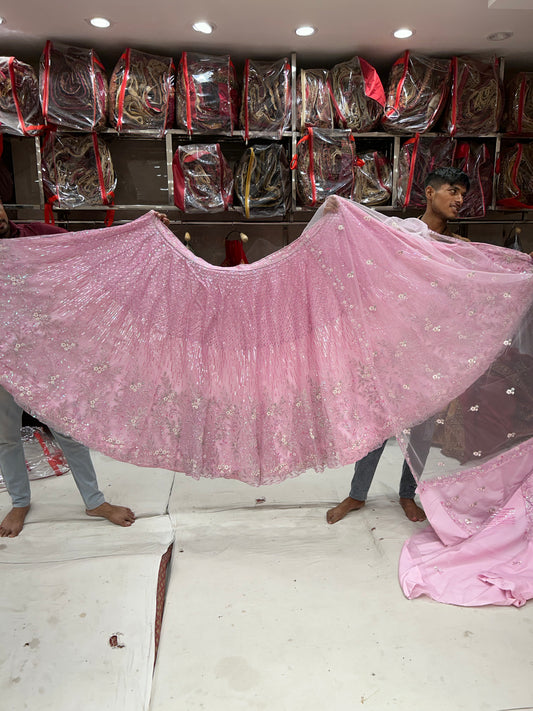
(475, 463)
(308, 358)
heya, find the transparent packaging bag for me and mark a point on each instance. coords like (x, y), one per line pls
(266, 99)
(419, 156)
(519, 104)
(77, 170)
(262, 181)
(474, 159)
(358, 95)
(324, 164)
(141, 93)
(313, 99)
(372, 179)
(475, 105)
(207, 95)
(43, 456)
(20, 105)
(73, 88)
(515, 176)
(416, 95)
(203, 180)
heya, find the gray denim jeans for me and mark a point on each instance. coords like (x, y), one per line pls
(365, 469)
(13, 464)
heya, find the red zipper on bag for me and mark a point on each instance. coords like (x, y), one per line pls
(122, 93)
(25, 129)
(415, 141)
(405, 59)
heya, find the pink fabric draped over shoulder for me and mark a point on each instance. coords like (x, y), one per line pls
(308, 358)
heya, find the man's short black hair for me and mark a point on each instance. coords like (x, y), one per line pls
(447, 176)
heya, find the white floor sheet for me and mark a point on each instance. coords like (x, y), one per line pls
(268, 607)
(78, 596)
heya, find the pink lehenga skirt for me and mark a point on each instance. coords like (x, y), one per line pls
(308, 358)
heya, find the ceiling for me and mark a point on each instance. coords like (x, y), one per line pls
(266, 30)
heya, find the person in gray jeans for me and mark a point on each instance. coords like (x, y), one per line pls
(12, 462)
(364, 471)
(15, 473)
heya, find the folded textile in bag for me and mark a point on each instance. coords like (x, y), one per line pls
(515, 176)
(475, 160)
(43, 456)
(207, 95)
(314, 99)
(73, 87)
(519, 105)
(266, 99)
(77, 170)
(203, 180)
(418, 157)
(475, 105)
(324, 164)
(141, 93)
(416, 94)
(358, 95)
(262, 181)
(20, 106)
(372, 179)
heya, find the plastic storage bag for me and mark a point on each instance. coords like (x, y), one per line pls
(73, 88)
(313, 98)
(43, 456)
(324, 164)
(416, 94)
(20, 106)
(418, 157)
(203, 180)
(262, 181)
(515, 179)
(358, 95)
(372, 179)
(474, 159)
(519, 104)
(141, 93)
(207, 95)
(77, 170)
(475, 105)
(266, 100)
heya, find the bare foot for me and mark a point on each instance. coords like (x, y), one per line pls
(412, 511)
(119, 515)
(12, 525)
(339, 512)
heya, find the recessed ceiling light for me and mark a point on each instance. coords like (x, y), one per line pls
(101, 22)
(305, 31)
(205, 27)
(2, 20)
(499, 36)
(403, 33)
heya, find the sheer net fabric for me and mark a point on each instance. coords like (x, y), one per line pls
(474, 461)
(308, 358)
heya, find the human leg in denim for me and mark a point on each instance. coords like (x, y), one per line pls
(364, 471)
(13, 464)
